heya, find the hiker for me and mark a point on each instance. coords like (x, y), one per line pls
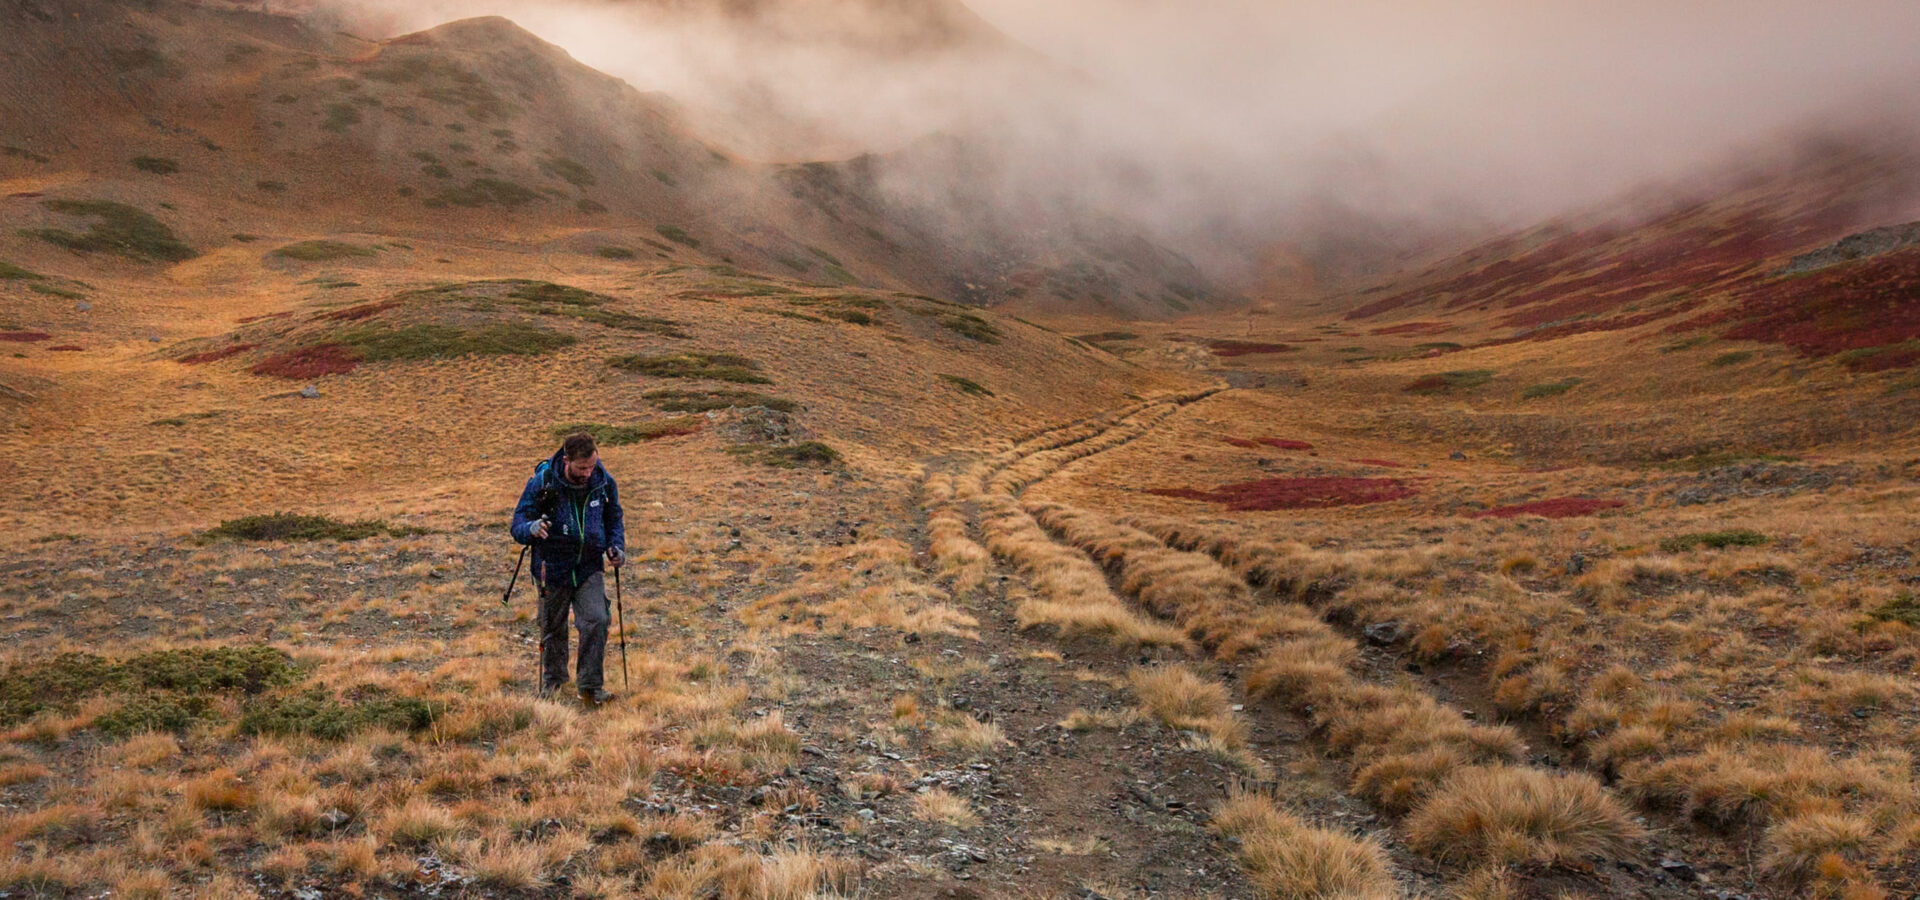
(570, 514)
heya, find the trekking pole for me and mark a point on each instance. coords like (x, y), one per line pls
(516, 576)
(620, 610)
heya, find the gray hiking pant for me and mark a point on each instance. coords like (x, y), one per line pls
(589, 605)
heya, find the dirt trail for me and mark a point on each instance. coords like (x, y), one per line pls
(1310, 781)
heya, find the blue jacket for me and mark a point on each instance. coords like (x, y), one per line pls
(586, 520)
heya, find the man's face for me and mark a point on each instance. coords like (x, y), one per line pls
(579, 470)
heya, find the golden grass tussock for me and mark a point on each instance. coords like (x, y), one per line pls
(1210, 603)
(958, 560)
(1181, 699)
(870, 584)
(1818, 847)
(967, 735)
(945, 808)
(1289, 859)
(1506, 814)
(1074, 597)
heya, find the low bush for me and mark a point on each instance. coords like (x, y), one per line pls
(436, 341)
(620, 435)
(715, 366)
(614, 253)
(1550, 389)
(293, 527)
(11, 272)
(1733, 358)
(704, 401)
(677, 235)
(1444, 382)
(116, 228)
(568, 171)
(808, 453)
(1716, 540)
(1904, 608)
(488, 192)
(156, 165)
(971, 327)
(315, 714)
(322, 251)
(967, 384)
(62, 682)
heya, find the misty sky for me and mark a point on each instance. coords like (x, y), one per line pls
(1220, 117)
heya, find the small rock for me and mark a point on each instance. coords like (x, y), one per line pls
(1457, 456)
(1577, 564)
(1383, 633)
(1678, 869)
(310, 392)
(866, 815)
(153, 339)
(82, 306)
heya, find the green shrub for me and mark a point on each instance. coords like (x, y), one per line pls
(614, 253)
(704, 401)
(677, 235)
(155, 712)
(664, 178)
(62, 682)
(568, 171)
(716, 366)
(848, 315)
(1731, 359)
(293, 527)
(1550, 389)
(968, 385)
(435, 341)
(1105, 337)
(318, 715)
(340, 116)
(116, 228)
(792, 457)
(1462, 379)
(589, 206)
(971, 327)
(321, 251)
(11, 272)
(489, 191)
(621, 435)
(156, 165)
(1904, 608)
(1716, 540)
(825, 257)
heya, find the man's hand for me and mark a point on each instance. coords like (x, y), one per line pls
(615, 558)
(539, 530)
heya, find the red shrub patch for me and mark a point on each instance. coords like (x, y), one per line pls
(1427, 384)
(1560, 508)
(1245, 348)
(356, 313)
(1297, 493)
(194, 359)
(309, 362)
(66, 348)
(1277, 443)
(1869, 303)
(1383, 463)
(24, 337)
(1419, 328)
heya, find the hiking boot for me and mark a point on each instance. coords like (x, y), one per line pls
(596, 696)
(547, 691)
